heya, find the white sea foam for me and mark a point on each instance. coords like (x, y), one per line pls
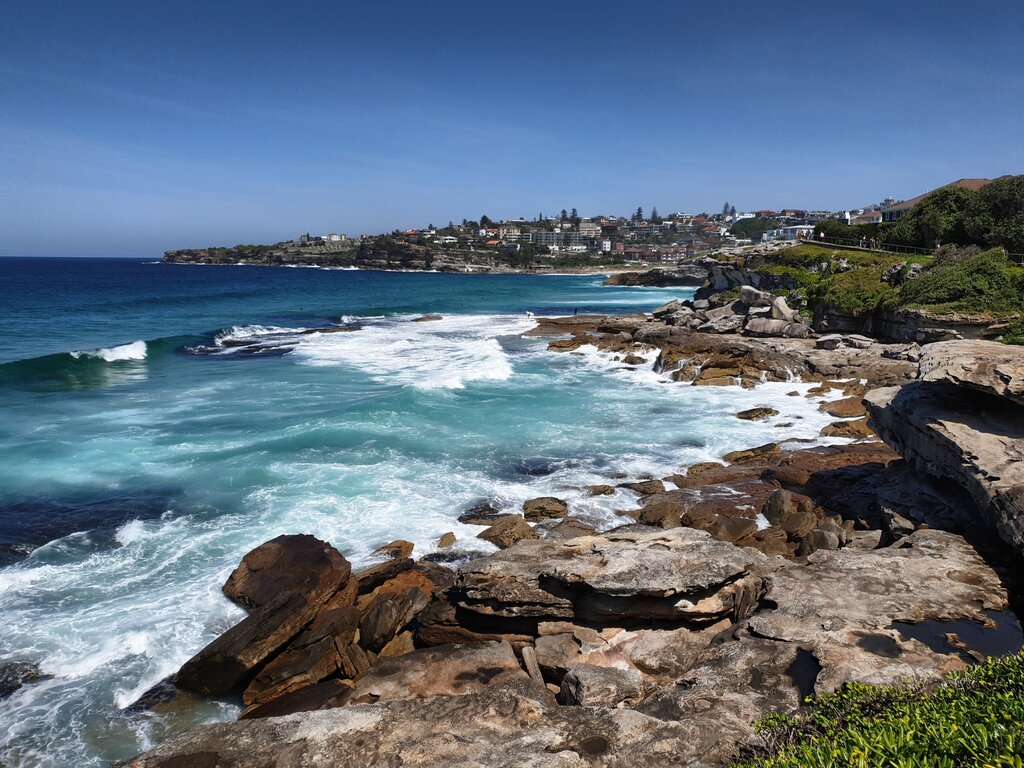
(136, 350)
(438, 354)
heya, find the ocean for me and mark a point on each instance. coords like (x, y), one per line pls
(159, 421)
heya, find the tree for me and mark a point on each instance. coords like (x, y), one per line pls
(942, 215)
(997, 217)
(752, 228)
(574, 217)
(655, 218)
(485, 221)
(639, 215)
(565, 215)
(732, 211)
(725, 208)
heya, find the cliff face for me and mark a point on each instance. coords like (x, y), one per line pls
(964, 421)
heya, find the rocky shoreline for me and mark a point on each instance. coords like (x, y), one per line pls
(742, 587)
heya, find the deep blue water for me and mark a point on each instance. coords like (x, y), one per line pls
(158, 421)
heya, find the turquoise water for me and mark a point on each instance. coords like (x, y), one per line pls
(159, 421)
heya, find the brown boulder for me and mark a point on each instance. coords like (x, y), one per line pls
(846, 408)
(589, 685)
(645, 487)
(395, 550)
(853, 428)
(300, 564)
(308, 659)
(543, 508)
(232, 658)
(507, 532)
(752, 455)
(756, 414)
(388, 615)
(602, 490)
(664, 514)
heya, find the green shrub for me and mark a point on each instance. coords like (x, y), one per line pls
(975, 719)
(982, 283)
(1015, 333)
(860, 291)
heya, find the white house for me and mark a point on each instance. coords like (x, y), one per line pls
(788, 233)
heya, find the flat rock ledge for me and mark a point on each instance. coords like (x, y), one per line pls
(638, 646)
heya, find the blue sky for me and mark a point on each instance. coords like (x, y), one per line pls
(131, 128)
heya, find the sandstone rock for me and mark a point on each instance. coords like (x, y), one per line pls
(308, 659)
(792, 512)
(856, 429)
(634, 360)
(818, 539)
(756, 414)
(987, 366)
(763, 326)
(507, 532)
(396, 550)
(780, 310)
(300, 564)
(974, 439)
(587, 685)
(734, 684)
(668, 308)
(427, 319)
(505, 728)
(733, 529)
(325, 695)
(842, 606)
(387, 616)
(645, 487)
(445, 670)
(281, 612)
(232, 658)
(556, 654)
(544, 507)
(846, 408)
(446, 540)
(373, 577)
(602, 490)
(483, 514)
(568, 528)
(751, 455)
(829, 341)
(753, 297)
(858, 342)
(864, 539)
(442, 622)
(723, 324)
(664, 514)
(680, 574)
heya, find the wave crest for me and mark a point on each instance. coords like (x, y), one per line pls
(136, 350)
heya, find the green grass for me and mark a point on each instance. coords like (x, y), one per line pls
(975, 719)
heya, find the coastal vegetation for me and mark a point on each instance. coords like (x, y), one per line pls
(992, 216)
(973, 718)
(965, 280)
